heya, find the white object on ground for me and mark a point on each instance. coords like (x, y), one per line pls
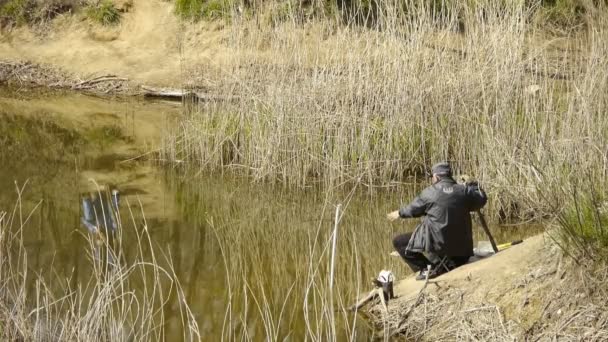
(484, 249)
(385, 276)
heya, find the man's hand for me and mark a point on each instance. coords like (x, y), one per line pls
(393, 215)
(467, 180)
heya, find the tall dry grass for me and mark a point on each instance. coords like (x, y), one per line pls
(332, 101)
(373, 100)
(119, 301)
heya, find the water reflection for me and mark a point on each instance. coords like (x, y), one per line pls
(100, 218)
(99, 211)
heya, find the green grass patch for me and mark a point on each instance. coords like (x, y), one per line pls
(104, 13)
(203, 9)
(29, 12)
(15, 11)
(584, 225)
(562, 15)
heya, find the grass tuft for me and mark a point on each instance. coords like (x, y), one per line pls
(15, 11)
(582, 221)
(32, 12)
(204, 9)
(104, 13)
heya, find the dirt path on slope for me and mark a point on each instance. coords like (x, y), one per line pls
(149, 46)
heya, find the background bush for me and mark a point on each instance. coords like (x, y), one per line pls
(204, 9)
(33, 12)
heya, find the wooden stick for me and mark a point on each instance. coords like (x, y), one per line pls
(487, 307)
(178, 94)
(92, 82)
(368, 298)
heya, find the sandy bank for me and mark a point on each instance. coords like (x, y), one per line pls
(528, 292)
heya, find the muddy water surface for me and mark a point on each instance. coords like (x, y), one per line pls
(252, 259)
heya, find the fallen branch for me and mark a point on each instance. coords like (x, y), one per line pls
(368, 298)
(489, 307)
(177, 94)
(96, 80)
(165, 93)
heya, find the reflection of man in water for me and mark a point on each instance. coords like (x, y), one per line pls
(99, 216)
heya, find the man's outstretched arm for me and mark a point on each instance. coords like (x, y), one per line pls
(415, 209)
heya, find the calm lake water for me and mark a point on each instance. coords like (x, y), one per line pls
(252, 259)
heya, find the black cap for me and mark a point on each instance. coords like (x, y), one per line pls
(442, 169)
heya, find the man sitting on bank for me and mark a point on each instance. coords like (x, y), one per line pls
(444, 239)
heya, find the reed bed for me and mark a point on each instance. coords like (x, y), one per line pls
(338, 101)
(269, 250)
(122, 300)
(371, 101)
(274, 251)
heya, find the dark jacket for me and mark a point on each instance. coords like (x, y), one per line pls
(446, 229)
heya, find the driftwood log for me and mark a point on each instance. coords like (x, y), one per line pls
(91, 83)
(179, 94)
